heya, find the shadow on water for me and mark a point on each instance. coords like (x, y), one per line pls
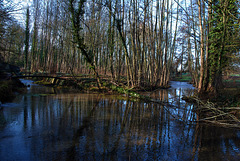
(71, 126)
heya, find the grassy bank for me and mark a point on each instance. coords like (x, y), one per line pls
(88, 84)
(185, 77)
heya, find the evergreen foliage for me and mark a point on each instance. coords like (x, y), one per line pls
(222, 39)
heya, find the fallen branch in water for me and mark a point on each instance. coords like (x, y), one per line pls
(222, 116)
(229, 125)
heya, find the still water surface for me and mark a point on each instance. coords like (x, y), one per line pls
(50, 124)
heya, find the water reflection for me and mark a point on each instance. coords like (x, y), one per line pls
(74, 126)
(178, 108)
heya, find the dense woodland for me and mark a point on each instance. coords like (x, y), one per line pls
(146, 42)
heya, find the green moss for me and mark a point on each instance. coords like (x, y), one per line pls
(130, 93)
(104, 84)
(43, 82)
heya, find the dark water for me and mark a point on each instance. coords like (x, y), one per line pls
(71, 126)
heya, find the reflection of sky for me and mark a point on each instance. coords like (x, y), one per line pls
(173, 97)
(182, 85)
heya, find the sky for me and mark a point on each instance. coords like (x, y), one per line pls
(19, 9)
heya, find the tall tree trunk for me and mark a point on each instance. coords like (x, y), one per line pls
(27, 39)
(207, 65)
(200, 85)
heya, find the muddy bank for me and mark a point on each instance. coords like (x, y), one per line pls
(10, 88)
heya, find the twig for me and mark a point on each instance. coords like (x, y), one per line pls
(217, 112)
(207, 118)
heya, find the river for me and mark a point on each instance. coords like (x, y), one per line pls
(52, 124)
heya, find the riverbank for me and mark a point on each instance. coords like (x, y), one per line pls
(89, 85)
(9, 89)
(222, 109)
(228, 96)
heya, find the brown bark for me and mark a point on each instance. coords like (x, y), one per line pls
(200, 85)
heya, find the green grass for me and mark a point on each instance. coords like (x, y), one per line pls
(231, 81)
(236, 75)
(43, 82)
(184, 78)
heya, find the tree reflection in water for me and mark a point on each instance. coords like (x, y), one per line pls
(97, 127)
